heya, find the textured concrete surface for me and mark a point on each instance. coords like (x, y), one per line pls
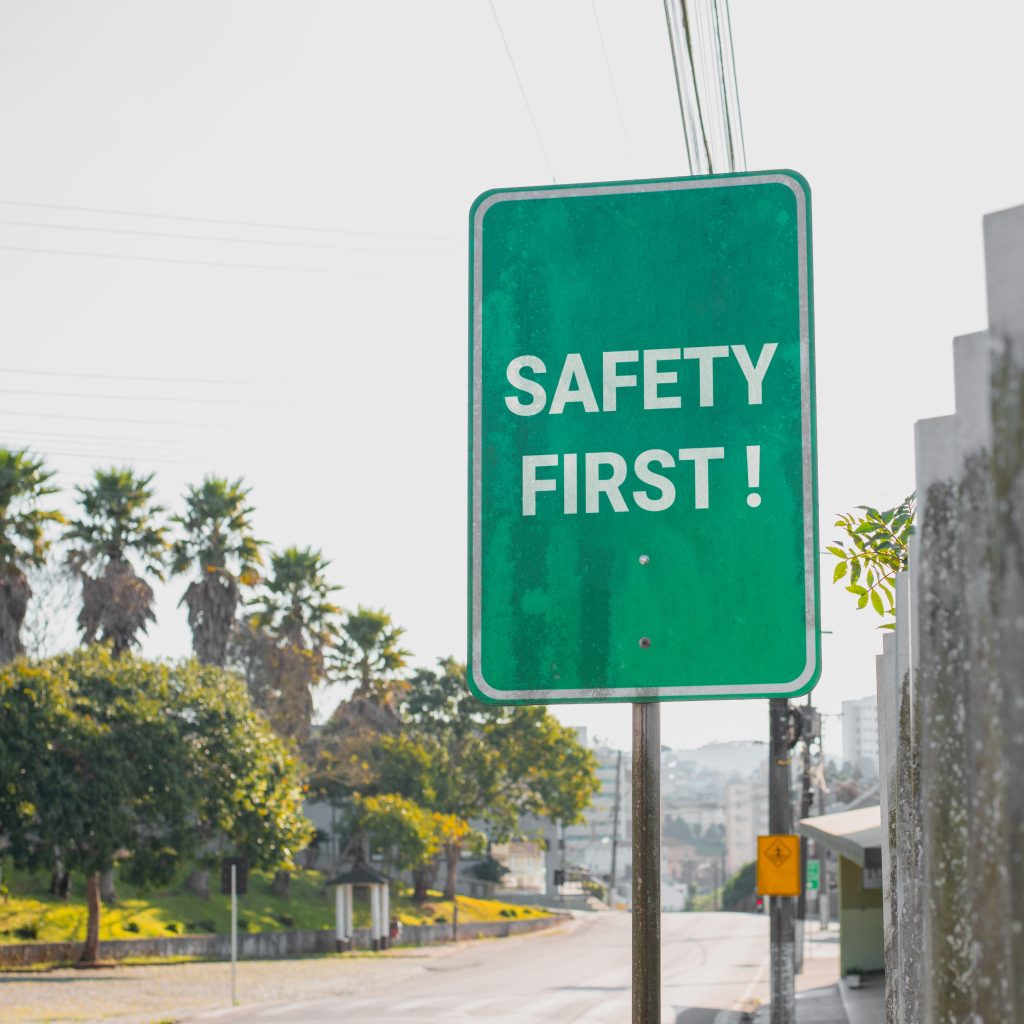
(715, 969)
(169, 992)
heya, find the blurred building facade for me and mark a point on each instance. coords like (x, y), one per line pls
(860, 735)
(608, 825)
(746, 817)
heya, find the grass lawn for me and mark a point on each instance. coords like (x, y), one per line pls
(31, 914)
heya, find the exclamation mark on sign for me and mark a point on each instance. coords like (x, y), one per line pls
(753, 474)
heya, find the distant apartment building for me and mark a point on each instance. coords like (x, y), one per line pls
(746, 817)
(700, 815)
(589, 844)
(860, 734)
(525, 861)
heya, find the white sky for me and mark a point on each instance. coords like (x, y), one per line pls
(346, 350)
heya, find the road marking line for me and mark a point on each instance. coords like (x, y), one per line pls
(745, 1003)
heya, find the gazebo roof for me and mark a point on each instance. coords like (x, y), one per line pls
(360, 874)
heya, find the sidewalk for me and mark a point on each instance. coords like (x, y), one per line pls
(865, 1004)
(820, 997)
(815, 1006)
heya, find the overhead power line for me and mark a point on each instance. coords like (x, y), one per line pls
(155, 398)
(611, 80)
(522, 89)
(171, 380)
(114, 459)
(205, 263)
(223, 238)
(214, 220)
(217, 443)
(151, 423)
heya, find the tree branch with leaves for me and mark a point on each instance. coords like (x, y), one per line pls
(875, 549)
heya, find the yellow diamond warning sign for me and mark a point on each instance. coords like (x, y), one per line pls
(778, 865)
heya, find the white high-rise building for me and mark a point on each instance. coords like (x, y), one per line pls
(746, 818)
(860, 734)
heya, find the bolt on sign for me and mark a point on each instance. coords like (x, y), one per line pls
(642, 472)
(778, 865)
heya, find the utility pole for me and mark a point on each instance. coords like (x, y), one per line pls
(615, 827)
(721, 865)
(780, 822)
(808, 734)
(646, 864)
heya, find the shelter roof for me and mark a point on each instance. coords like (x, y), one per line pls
(849, 833)
(359, 874)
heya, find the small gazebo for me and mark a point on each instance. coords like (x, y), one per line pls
(361, 875)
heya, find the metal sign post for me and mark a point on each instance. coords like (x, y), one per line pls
(234, 882)
(646, 864)
(234, 933)
(642, 493)
(783, 908)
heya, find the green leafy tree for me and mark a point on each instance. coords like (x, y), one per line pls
(409, 836)
(101, 771)
(251, 784)
(117, 759)
(217, 543)
(397, 827)
(455, 834)
(115, 541)
(549, 773)
(875, 549)
(738, 891)
(24, 483)
(482, 763)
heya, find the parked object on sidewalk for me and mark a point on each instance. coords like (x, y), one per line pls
(856, 839)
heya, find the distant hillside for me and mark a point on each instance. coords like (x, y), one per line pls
(740, 757)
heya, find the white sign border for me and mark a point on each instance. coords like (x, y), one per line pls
(679, 691)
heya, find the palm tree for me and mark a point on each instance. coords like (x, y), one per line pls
(294, 624)
(282, 648)
(23, 541)
(115, 535)
(219, 544)
(295, 605)
(368, 654)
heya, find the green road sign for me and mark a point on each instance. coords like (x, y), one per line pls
(813, 875)
(642, 472)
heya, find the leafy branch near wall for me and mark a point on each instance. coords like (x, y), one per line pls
(876, 547)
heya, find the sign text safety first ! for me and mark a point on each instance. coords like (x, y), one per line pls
(653, 372)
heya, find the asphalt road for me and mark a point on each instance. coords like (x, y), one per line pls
(713, 965)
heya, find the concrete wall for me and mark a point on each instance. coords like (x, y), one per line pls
(267, 945)
(951, 687)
